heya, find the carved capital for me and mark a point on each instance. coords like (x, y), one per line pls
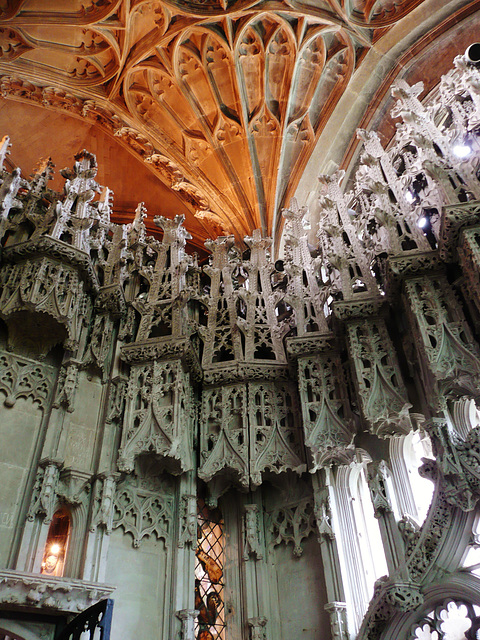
(187, 617)
(338, 620)
(257, 627)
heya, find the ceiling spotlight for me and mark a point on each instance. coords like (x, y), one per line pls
(462, 150)
(409, 197)
(422, 222)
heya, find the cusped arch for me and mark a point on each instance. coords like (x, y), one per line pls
(459, 586)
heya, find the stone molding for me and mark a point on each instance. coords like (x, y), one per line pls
(27, 591)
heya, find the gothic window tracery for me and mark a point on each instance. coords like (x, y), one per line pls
(452, 620)
(209, 583)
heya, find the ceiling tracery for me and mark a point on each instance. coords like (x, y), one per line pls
(224, 100)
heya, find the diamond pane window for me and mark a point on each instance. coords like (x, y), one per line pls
(209, 602)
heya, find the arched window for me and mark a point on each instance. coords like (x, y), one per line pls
(418, 446)
(368, 531)
(56, 546)
(465, 416)
(413, 493)
(361, 553)
(209, 599)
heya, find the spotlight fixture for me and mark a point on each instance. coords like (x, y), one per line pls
(472, 54)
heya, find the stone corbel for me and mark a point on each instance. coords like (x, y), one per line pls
(389, 598)
(403, 596)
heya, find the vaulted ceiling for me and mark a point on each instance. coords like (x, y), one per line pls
(211, 108)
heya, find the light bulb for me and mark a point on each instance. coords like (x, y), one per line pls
(409, 197)
(422, 222)
(462, 150)
(55, 549)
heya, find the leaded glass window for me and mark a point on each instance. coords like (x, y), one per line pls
(209, 598)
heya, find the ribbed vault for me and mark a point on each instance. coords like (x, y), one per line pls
(222, 101)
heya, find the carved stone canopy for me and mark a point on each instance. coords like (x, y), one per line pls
(222, 102)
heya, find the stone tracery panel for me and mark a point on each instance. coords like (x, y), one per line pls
(144, 506)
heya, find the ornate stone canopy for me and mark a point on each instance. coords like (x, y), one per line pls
(223, 103)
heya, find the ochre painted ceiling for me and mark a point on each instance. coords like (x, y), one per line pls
(220, 102)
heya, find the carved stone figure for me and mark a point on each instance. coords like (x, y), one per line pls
(252, 544)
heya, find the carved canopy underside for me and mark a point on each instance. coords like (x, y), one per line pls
(223, 100)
